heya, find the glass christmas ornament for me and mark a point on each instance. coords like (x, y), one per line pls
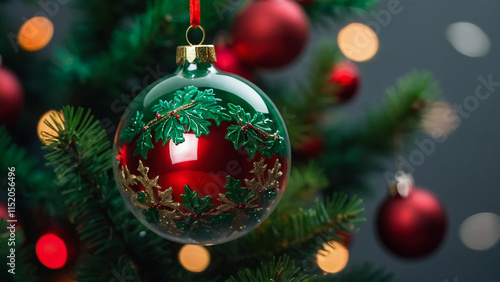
(201, 157)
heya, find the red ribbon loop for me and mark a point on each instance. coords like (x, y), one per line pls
(194, 8)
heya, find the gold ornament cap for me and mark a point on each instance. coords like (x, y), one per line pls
(204, 53)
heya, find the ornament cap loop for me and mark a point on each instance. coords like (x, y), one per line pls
(192, 27)
(204, 53)
(402, 185)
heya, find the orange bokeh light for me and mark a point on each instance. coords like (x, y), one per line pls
(358, 42)
(194, 258)
(35, 33)
(333, 258)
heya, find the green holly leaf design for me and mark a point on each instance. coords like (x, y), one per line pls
(236, 135)
(194, 203)
(136, 127)
(253, 132)
(163, 107)
(208, 107)
(169, 128)
(144, 143)
(235, 192)
(195, 123)
(141, 197)
(152, 215)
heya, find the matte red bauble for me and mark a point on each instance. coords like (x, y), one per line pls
(270, 33)
(228, 62)
(345, 80)
(412, 226)
(310, 147)
(11, 97)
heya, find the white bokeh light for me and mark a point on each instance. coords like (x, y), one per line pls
(468, 39)
(480, 231)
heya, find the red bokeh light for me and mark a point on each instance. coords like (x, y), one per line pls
(51, 251)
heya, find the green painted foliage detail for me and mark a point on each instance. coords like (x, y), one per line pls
(152, 215)
(194, 203)
(235, 192)
(136, 127)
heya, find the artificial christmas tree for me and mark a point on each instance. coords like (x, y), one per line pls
(242, 150)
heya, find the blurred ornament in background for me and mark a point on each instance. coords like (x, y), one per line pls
(11, 96)
(480, 231)
(227, 61)
(411, 222)
(358, 42)
(35, 33)
(194, 258)
(270, 33)
(468, 39)
(45, 131)
(440, 120)
(309, 147)
(333, 258)
(343, 82)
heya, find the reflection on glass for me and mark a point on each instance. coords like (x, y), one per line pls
(186, 151)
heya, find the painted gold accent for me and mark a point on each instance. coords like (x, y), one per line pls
(204, 53)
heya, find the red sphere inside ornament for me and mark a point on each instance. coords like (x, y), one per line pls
(344, 77)
(270, 33)
(228, 61)
(414, 226)
(11, 97)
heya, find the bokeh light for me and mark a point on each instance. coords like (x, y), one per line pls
(440, 120)
(194, 258)
(35, 33)
(333, 258)
(468, 39)
(42, 127)
(51, 251)
(358, 42)
(480, 231)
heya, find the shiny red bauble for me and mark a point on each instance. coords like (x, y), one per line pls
(11, 97)
(201, 163)
(227, 61)
(414, 226)
(344, 81)
(309, 147)
(270, 33)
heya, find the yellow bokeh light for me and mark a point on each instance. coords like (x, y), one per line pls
(440, 120)
(42, 127)
(35, 33)
(194, 258)
(333, 258)
(358, 42)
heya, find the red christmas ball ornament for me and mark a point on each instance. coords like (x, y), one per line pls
(227, 61)
(270, 33)
(11, 97)
(412, 226)
(345, 81)
(310, 147)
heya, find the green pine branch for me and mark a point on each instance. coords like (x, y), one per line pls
(364, 272)
(337, 8)
(353, 152)
(81, 157)
(32, 182)
(280, 270)
(299, 235)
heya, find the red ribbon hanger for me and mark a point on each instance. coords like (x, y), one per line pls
(194, 8)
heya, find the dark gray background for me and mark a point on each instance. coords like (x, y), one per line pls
(463, 171)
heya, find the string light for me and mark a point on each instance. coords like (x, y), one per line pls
(51, 251)
(194, 258)
(42, 127)
(333, 258)
(358, 42)
(35, 33)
